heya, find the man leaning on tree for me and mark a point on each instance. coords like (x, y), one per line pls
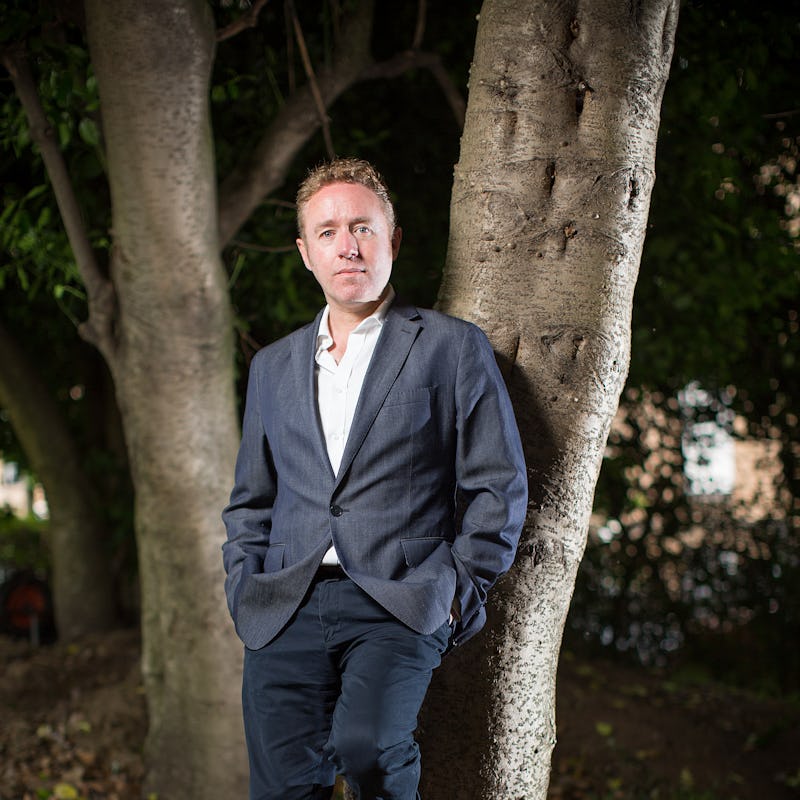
(349, 573)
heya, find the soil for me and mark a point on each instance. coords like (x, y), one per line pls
(74, 719)
(628, 732)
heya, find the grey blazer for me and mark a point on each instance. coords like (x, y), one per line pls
(433, 430)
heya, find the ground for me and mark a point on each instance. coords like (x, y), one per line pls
(73, 722)
(630, 733)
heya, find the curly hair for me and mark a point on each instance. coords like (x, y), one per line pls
(344, 170)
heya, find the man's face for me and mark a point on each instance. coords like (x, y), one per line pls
(348, 245)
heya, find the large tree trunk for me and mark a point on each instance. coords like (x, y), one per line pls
(83, 585)
(548, 216)
(171, 357)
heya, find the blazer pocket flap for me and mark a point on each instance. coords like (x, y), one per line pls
(399, 397)
(418, 550)
(273, 560)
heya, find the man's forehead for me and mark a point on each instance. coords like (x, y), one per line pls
(344, 201)
(344, 192)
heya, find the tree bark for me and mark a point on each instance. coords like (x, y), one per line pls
(83, 586)
(172, 363)
(548, 215)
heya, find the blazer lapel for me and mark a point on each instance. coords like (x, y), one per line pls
(400, 329)
(303, 352)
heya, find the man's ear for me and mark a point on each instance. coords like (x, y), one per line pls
(397, 237)
(301, 246)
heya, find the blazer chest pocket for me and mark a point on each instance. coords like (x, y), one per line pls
(273, 560)
(409, 413)
(417, 550)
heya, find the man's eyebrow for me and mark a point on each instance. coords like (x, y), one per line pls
(330, 223)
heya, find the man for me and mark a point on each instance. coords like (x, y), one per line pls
(347, 575)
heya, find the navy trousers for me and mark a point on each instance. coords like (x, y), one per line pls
(338, 691)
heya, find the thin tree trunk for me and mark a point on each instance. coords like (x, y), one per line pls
(548, 217)
(172, 362)
(83, 586)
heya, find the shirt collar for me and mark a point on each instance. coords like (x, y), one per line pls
(377, 317)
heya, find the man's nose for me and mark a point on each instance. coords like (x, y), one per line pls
(348, 244)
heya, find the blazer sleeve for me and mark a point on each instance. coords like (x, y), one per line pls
(491, 480)
(248, 516)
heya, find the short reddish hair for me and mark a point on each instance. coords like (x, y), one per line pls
(344, 170)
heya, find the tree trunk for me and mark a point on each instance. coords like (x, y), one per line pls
(171, 356)
(548, 216)
(83, 586)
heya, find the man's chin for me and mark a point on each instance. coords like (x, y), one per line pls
(357, 301)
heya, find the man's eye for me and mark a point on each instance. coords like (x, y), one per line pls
(363, 229)
(326, 234)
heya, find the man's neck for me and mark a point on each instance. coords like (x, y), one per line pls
(342, 321)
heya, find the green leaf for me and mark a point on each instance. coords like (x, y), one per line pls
(65, 791)
(604, 728)
(36, 191)
(89, 132)
(64, 134)
(23, 138)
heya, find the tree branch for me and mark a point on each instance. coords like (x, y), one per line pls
(247, 20)
(102, 307)
(781, 114)
(412, 59)
(312, 82)
(267, 165)
(419, 30)
(265, 168)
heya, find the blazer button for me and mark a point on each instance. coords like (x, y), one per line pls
(337, 511)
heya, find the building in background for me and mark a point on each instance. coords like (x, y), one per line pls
(18, 494)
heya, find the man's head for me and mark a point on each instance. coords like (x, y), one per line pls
(344, 170)
(348, 237)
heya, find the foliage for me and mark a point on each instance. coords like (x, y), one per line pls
(23, 545)
(717, 300)
(719, 271)
(36, 253)
(41, 294)
(668, 575)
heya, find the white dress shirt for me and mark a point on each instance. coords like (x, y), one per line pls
(339, 385)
